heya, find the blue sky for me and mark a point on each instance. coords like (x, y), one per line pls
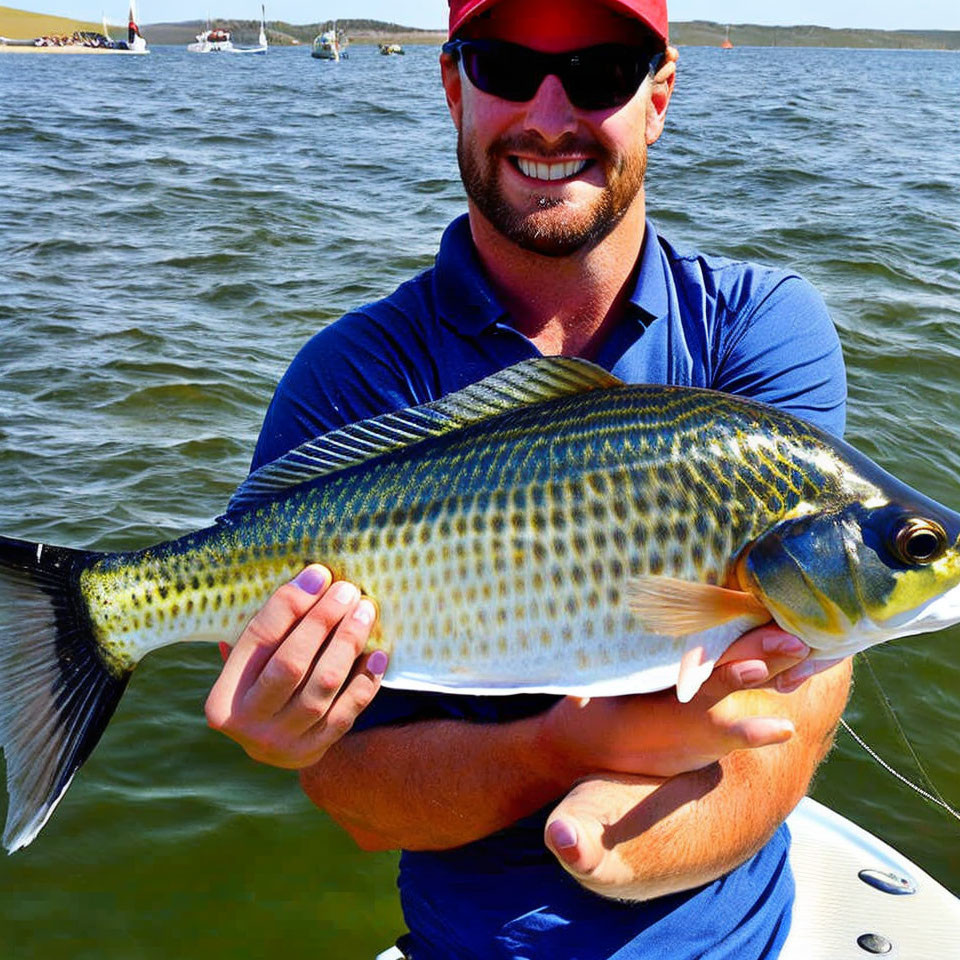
(881, 14)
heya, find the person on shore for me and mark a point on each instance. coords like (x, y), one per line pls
(513, 812)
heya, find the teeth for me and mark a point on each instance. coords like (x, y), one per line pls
(551, 171)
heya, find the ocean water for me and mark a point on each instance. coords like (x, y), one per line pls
(173, 227)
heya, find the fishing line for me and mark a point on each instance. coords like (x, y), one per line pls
(936, 797)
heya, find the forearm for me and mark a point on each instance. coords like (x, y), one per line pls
(434, 785)
(676, 834)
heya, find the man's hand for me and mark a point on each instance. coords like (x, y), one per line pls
(408, 786)
(657, 736)
(293, 685)
(619, 835)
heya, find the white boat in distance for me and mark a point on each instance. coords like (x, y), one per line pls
(82, 41)
(218, 41)
(330, 45)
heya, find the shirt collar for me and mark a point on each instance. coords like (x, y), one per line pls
(467, 300)
(465, 297)
(650, 288)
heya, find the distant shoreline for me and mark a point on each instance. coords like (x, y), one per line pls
(694, 33)
(22, 25)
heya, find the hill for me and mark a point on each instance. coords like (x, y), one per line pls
(693, 33)
(21, 25)
(704, 33)
(280, 33)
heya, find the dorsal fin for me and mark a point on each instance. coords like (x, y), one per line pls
(525, 383)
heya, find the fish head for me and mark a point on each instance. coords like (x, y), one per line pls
(846, 578)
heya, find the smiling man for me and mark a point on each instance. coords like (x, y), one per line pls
(515, 812)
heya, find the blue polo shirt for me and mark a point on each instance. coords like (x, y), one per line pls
(691, 320)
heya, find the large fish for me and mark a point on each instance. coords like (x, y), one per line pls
(548, 529)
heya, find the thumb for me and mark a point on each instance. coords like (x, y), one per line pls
(575, 843)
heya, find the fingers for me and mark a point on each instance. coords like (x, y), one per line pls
(574, 848)
(585, 829)
(754, 732)
(353, 698)
(756, 659)
(796, 676)
(347, 620)
(290, 663)
(265, 632)
(293, 683)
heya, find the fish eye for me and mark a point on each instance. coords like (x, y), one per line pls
(919, 541)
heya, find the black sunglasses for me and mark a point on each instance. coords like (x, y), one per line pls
(594, 78)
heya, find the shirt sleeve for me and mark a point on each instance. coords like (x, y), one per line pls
(781, 347)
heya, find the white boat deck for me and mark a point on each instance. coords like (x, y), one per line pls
(839, 915)
(856, 897)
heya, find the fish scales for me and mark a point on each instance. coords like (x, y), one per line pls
(497, 552)
(547, 529)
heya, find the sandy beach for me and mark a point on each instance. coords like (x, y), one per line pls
(6, 48)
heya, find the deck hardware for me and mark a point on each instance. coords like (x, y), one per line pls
(888, 882)
(874, 943)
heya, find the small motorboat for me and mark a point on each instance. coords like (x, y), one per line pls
(217, 40)
(330, 45)
(391, 49)
(212, 41)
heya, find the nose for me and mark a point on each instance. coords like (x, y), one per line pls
(550, 112)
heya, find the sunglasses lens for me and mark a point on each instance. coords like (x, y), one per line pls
(597, 78)
(502, 71)
(604, 77)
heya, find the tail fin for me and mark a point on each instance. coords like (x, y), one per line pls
(56, 693)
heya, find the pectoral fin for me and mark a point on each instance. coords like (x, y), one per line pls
(676, 608)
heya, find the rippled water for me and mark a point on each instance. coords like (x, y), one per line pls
(173, 227)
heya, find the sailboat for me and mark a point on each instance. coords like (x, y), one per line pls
(727, 43)
(82, 41)
(217, 40)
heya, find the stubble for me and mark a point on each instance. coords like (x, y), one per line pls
(544, 228)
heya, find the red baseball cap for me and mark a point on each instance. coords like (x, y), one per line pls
(652, 13)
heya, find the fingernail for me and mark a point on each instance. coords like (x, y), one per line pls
(784, 643)
(345, 592)
(365, 612)
(377, 664)
(789, 681)
(750, 673)
(311, 580)
(562, 835)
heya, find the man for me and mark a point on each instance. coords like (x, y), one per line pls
(554, 257)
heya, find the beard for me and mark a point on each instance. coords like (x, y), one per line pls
(544, 229)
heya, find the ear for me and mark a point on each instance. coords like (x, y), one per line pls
(453, 86)
(660, 95)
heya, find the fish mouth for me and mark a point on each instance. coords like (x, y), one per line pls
(551, 171)
(936, 614)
